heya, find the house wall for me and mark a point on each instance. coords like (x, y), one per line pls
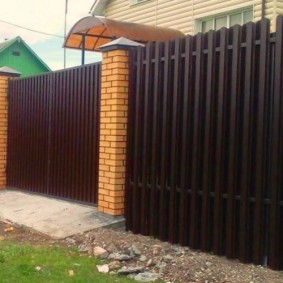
(182, 14)
(279, 7)
(26, 64)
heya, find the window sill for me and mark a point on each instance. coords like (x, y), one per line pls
(140, 2)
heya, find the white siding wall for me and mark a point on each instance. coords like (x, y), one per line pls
(167, 13)
(182, 14)
(279, 8)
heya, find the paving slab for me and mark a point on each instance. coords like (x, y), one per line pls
(56, 218)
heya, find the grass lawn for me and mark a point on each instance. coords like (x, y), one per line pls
(29, 264)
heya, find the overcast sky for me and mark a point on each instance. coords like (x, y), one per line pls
(45, 16)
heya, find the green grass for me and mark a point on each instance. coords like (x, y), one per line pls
(18, 265)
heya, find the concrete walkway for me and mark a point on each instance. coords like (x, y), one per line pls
(53, 217)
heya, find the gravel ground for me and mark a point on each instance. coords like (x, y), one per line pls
(171, 262)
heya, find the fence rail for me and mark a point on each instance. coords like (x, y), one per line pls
(53, 124)
(205, 142)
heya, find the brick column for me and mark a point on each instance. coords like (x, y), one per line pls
(113, 126)
(5, 74)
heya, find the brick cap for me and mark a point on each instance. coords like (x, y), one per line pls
(7, 71)
(120, 43)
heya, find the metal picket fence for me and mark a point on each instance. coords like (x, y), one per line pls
(205, 143)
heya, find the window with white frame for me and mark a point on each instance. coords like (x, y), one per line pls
(132, 2)
(227, 20)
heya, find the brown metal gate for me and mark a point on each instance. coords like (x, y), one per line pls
(53, 124)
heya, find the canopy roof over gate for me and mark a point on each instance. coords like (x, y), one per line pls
(90, 33)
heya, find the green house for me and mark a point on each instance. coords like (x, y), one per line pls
(16, 54)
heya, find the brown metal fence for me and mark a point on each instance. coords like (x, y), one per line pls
(53, 126)
(205, 144)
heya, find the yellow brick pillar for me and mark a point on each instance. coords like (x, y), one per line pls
(113, 125)
(6, 74)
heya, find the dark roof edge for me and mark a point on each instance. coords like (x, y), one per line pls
(120, 43)
(7, 71)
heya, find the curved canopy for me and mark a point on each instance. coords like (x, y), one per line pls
(90, 33)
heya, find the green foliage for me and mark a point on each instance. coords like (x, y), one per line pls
(25, 264)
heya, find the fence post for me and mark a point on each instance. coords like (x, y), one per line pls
(113, 125)
(6, 73)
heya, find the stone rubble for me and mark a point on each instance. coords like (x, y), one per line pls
(146, 260)
(171, 263)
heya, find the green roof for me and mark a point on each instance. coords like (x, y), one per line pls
(6, 44)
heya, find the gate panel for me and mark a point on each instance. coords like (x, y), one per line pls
(28, 117)
(53, 133)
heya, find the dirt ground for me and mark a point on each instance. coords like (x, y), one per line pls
(174, 263)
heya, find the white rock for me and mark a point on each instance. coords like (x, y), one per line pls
(114, 265)
(147, 277)
(150, 262)
(129, 270)
(142, 258)
(100, 252)
(112, 248)
(168, 258)
(103, 268)
(136, 250)
(120, 257)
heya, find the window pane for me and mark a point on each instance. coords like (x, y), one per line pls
(248, 16)
(220, 22)
(206, 25)
(236, 19)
